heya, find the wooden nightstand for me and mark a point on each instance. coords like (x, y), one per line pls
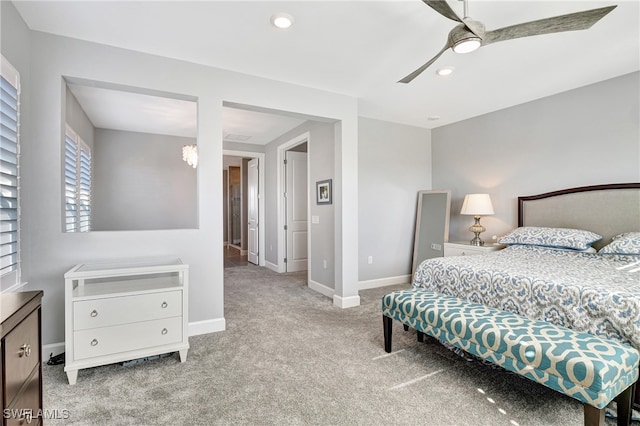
(466, 249)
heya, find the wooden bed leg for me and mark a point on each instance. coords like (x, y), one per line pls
(406, 327)
(387, 325)
(624, 404)
(593, 416)
(420, 336)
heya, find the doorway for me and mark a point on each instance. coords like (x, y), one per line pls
(293, 206)
(243, 205)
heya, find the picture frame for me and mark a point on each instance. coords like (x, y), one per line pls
(323, 192)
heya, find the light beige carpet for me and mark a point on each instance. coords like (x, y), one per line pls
(289, 357)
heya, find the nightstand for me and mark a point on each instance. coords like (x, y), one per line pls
(466, 249)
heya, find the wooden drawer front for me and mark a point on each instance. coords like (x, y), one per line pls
(126, 337)
(22, 354)
(26, 405)
(110, 311)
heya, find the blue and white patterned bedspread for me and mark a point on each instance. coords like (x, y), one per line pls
(583, 291)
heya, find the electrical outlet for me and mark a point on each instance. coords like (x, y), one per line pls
(370, 260)
(436, 246)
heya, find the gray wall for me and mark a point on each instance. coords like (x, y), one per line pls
(78, 120)
(585, 136)
(394, 164)
(321, 166)
(43, 60)
(140, 182)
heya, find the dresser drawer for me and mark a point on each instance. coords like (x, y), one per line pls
(457, 251)
(88, 314)
(27, 404)
(126, 337)
(22, 354)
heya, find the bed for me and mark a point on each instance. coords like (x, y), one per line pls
(598, 293)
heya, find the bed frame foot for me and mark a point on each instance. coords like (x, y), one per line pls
(387, 325)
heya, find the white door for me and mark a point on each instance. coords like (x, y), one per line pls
(252, 211)
(296, 210)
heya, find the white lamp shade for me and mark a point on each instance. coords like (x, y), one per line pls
(477, 205)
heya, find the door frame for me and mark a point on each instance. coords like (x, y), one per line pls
(261, 221)
(282, 235)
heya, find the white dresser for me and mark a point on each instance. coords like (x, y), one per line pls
(125, 310)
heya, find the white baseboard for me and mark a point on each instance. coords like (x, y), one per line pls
(383, 282)
(271, 266)
(321, 288)
(51, 349)
(346, 302)
(195, 329)
(207, 326)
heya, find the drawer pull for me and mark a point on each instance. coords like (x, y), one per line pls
(94, 313)
(164, 331)
(94, 342)
(164, 304)
(25, 350)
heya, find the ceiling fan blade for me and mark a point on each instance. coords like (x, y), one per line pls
(443, 8)
(419, 71)
(571, 22)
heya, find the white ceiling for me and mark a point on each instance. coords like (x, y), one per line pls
(361, 48)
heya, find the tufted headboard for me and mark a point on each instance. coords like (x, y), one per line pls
(604, 209)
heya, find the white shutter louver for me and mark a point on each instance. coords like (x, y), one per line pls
(77, 183)
(9, 156)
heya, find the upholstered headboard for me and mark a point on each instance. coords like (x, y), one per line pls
(605, 209)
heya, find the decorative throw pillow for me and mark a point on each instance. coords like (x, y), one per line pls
(625, 243)
(569, 238)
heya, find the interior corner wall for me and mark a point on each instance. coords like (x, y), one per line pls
(47, 253)
(78, 120)
(586, 136)
(394, 163)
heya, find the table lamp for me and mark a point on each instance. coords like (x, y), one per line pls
(477, 205)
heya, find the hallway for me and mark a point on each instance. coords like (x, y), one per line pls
(232, 258)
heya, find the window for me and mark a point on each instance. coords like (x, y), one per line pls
(9, 177)
(77, 183)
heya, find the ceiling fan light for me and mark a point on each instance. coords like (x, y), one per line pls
(467, 45)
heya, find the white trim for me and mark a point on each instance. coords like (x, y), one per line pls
(346, 302)
(321, 288)
(208, 326)
(282, 235)
(271, 266)
(14, 288)
(383, 282)
(51, 349)
(9, 72)
(262, 224)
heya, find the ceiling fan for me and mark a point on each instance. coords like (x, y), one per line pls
(470, 35)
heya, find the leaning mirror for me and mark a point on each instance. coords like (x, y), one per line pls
(432, 225)
(129, 158)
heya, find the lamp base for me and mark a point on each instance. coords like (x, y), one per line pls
(477, 229)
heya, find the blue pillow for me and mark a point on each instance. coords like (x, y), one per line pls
(567, 238)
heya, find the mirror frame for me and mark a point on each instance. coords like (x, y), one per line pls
(420, 232)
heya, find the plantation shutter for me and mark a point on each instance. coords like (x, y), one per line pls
(77, 183)
(9, 182)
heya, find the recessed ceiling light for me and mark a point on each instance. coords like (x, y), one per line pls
(282, 20)
(445, 71)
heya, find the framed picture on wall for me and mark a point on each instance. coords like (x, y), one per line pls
(323, 191)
